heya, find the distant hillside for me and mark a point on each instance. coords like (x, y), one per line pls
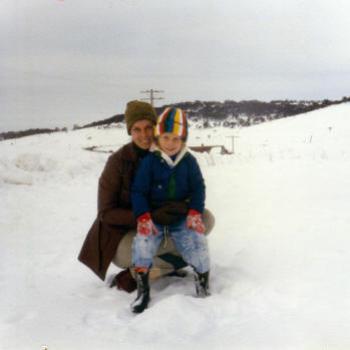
(213, 113)
(231, 113)
(16, 134)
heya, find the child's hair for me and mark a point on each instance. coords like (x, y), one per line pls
(172, 120)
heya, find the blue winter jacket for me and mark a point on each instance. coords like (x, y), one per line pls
(156, 182)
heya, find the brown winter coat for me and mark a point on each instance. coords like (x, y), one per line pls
(115, 216)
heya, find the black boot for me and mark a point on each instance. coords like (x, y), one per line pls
(202, 284)
(143, 298)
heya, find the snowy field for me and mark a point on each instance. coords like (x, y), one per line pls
(279, 249)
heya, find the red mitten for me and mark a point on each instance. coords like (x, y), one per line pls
(145, 225)
(194, 221)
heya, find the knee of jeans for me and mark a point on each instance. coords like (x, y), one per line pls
(198, 239)
(142, 239)
(145, 242)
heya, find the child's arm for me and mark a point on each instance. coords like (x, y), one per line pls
(194, 218)
(140, 192)
(140, 189)
(197, 186)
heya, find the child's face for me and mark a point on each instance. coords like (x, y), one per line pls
(170, 143)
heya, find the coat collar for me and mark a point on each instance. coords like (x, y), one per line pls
(172, 163)
(128, 153)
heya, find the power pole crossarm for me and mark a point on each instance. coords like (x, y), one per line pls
(151, 97)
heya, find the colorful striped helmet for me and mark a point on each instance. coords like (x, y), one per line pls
(172, 120)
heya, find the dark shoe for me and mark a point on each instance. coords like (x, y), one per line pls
(143, 297)
(202, 284)
(124, 281)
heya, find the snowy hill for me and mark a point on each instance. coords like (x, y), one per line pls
(279, 249)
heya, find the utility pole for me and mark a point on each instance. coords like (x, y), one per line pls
(151, 97)
(233, 143)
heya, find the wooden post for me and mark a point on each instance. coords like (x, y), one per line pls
(233, 142)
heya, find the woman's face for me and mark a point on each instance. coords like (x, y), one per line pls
(142, 133)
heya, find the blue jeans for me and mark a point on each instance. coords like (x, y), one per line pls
(192, 246)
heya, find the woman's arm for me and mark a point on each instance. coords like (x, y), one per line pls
(109, 192)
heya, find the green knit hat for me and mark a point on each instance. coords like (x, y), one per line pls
(138, 110)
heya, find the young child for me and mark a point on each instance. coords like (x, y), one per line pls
(169, 173)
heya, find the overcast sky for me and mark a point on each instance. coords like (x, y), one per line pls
(74, 61)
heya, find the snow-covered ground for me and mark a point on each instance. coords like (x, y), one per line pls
(279, 249)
